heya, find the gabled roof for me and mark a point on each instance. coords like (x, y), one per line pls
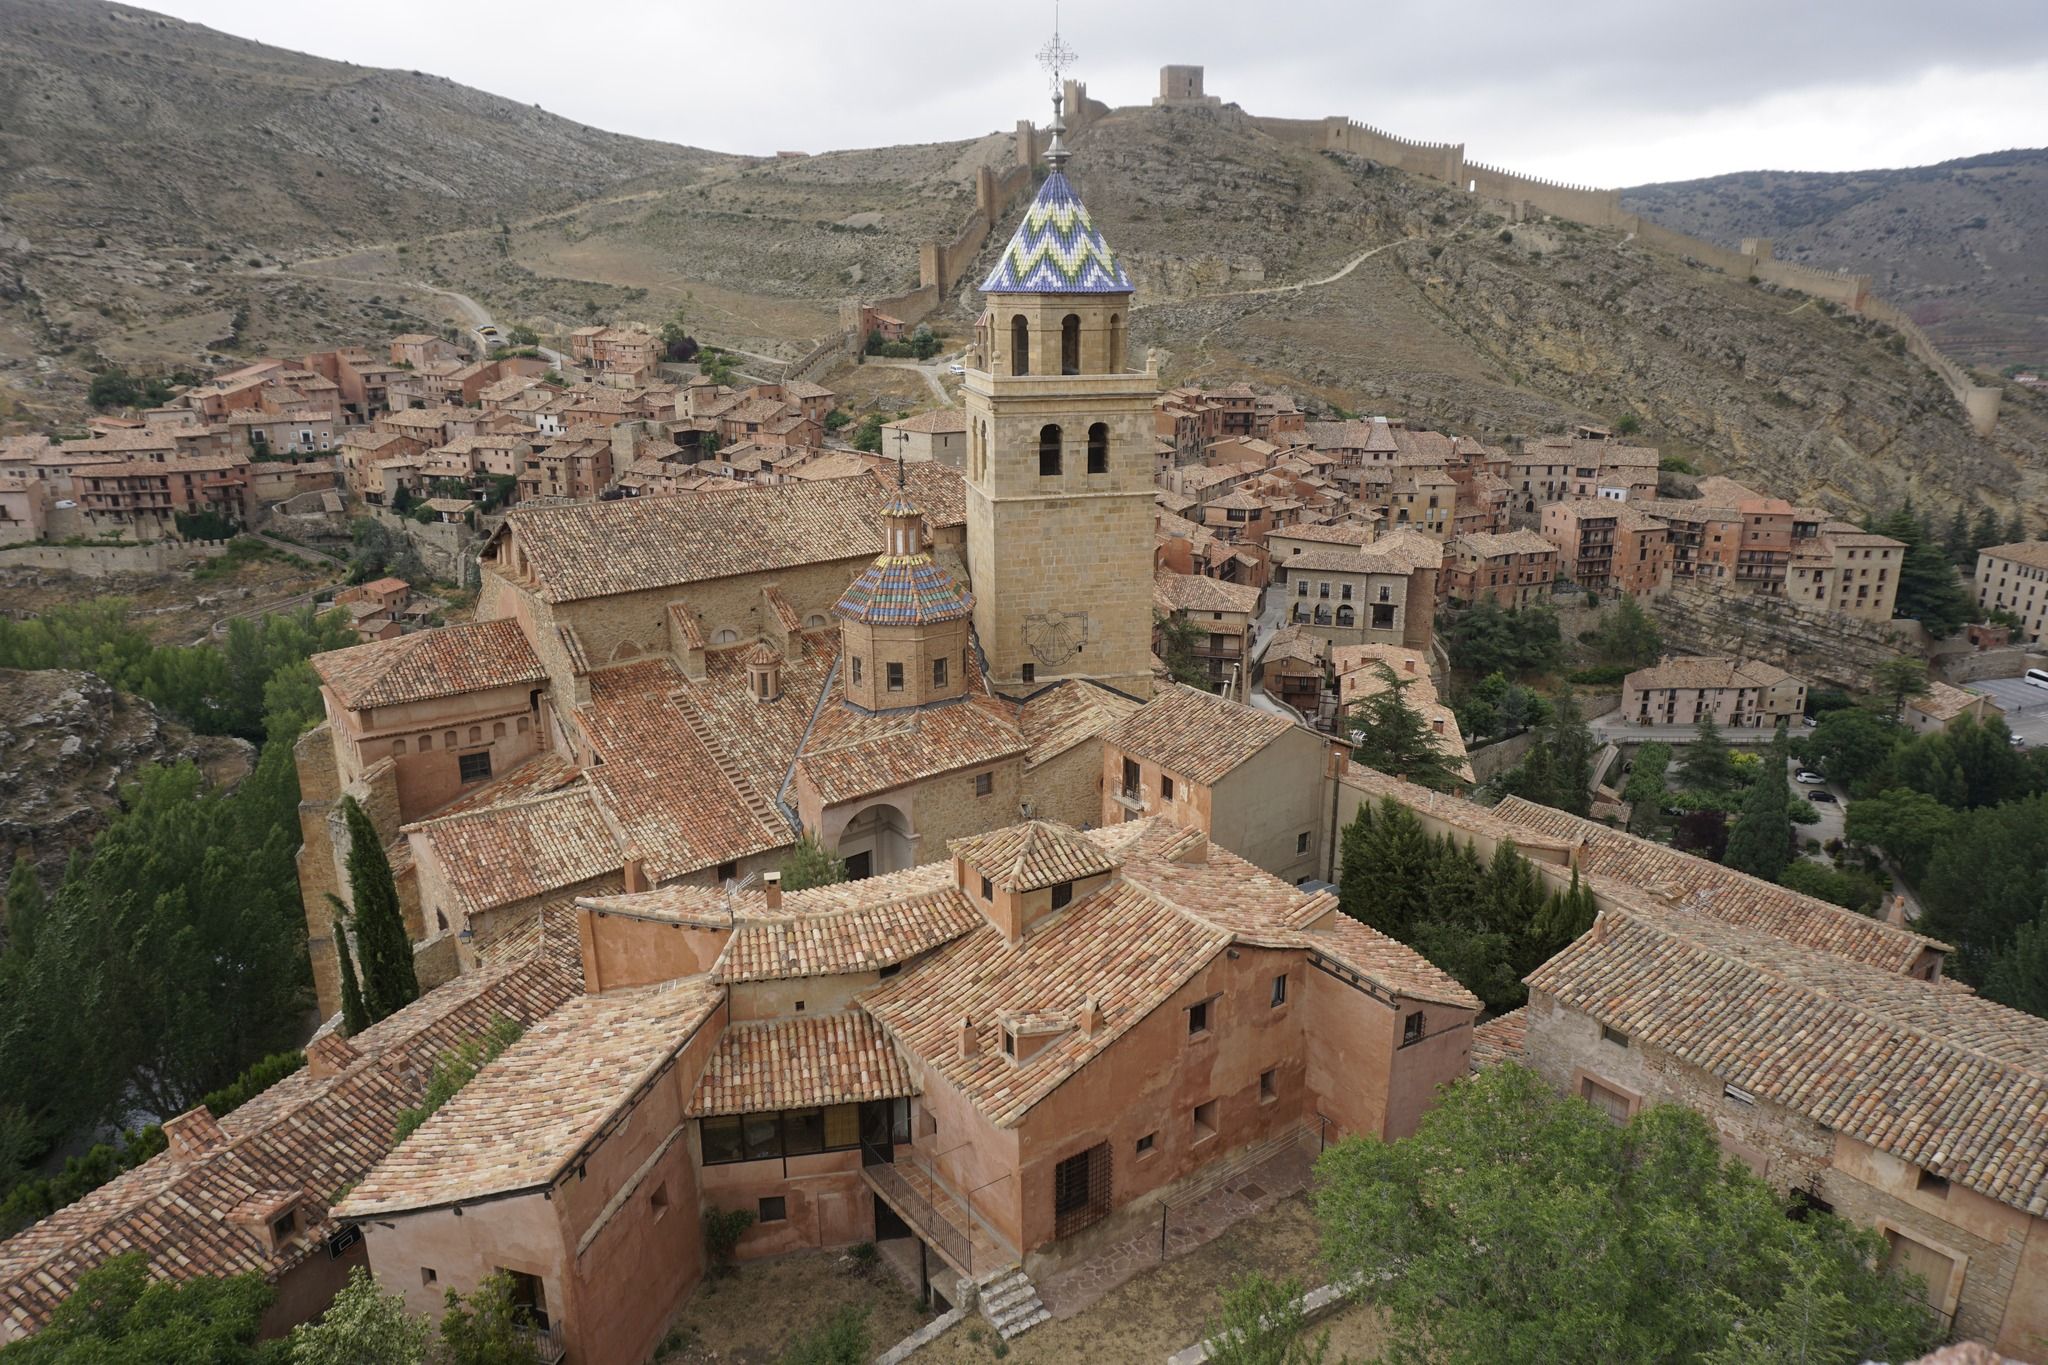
(1057, 250)
(1064, 715)
(522, 849)
(799, 1064)
(433, 663)
(1196, 735)
(1033, 855)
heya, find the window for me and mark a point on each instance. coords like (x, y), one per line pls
(1165, 787)
(1080, 1190)
(474, 767)
(1614, 1036)
(774, 1209)
(1020, 345)
(988, 892)
(397, 746)
(1098, 448)
(938, 672)
(529, 1297)
(803, 1132)
(1048, 450)
(426, 743)
(1738, 1094)
(1930, 1183)
(1030, 672)
(856, 668)
(1148, 1144)
(1608, 1101)
(727, 871)
(657, 1202)
(428, 1275)
(448, 740)
(283, 1226)
(1411, 1029)
(1301, 842)
(895, 677)
(1205, 1121)
(1062, 895)
(1116, 343)
(1269, 1085)
(1279, 990)
(1070, 344)
(1198, 1019)
(476, 734)
(984, 783)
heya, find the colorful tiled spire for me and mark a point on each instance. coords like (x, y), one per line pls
(1057, 250)
(905, 585)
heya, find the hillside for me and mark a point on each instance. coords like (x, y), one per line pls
(1958, 245)
(152, 172)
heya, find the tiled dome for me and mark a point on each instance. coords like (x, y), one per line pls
(905, 590)
(1056, 250)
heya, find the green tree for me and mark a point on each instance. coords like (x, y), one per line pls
(868, 435)
(1929, 591)
(519, 334)
(24, 906)
(355, 1015)
(363, 1326)
(1263, 1323)
(1390, 736)
(1982, 536)
(116, 1316)
(1628, 636)
(388, 980)
(923, 344)
(1896, 680)
(1534, 778)
(1519, 1224)
(453, 1070)
(809, 865)
(1956, 544)
(1178, 637)
(1989, 877)
(1572, 749)
(1967, 765)
(1484, 638)
(486, 1328)
(1646, 788)
(1386, 858)
(1854, 747)
(1850, 890)
(1761, 842)
(2017, 975)
(841, 1339)
(1708, 764)
(1907, 826)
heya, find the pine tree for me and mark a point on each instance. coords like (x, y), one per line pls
(1390, 736)
(1534, 778)
(809, 865)
(1354, 863)
(2018, 975)
(1761, 842)
(354, 1017)
(2015, 528)
(1565, 916)
(1392, 895)
(389, 983)
(1707, 764)
(1957, 542)
(24, 907)
(1983, 535)
(1571, 742)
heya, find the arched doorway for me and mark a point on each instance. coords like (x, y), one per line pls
(876, 841)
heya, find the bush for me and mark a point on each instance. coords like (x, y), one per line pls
(1602, 675)
(723, 1229)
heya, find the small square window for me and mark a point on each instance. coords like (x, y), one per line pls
(1205, 1121)
(1269, 1085)
(938, 672)
(1030, 673)
(1301, 842)
(1614, 1036)
(774, 1209)
(1062, 895)
(1198, 1018)
(895, 677)
(658, 1201)
(1148, 1144)
(1165, 787)
(474, 767)
(283, 1226)
(428, 1275)
(984, 783)
(1930, 1183)
(1279, 990)
(1411, 1029)
(727, 871)
(988, 890)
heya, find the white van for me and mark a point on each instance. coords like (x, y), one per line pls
(2036, 678)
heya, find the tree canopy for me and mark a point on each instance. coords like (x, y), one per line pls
(1390, 736)
(1484, 638)
(1627, 636)
(117, 1316)
(1519, 1224)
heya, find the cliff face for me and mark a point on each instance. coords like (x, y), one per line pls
(68, 743)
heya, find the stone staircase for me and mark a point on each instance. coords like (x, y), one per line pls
(1010, 1302)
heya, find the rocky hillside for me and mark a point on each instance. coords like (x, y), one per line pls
(1958, 245)
(153, 172)
(68, 742)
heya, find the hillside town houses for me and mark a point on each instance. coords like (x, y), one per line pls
(1087, 953)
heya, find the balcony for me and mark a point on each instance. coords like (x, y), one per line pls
(940, 1217)
(1130, 798)
(545, 1342)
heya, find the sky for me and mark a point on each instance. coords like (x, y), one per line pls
(1604, 92)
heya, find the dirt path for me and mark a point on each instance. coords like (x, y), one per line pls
(928, 370)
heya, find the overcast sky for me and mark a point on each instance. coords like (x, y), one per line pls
(1609, 92)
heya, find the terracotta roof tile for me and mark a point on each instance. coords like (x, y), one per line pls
(520, 849)
(832, 941)
(1195, 735)
(1032, 855)
(1502, 1039)
(1070, 713)
(1195, 592)
(800, 1063)
(430, 664)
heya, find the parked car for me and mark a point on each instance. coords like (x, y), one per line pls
(1809, 721)
(1808, 777)
(956, 368)
(2018, 743)
(1825, 796)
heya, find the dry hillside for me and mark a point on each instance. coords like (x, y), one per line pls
(1960, 245)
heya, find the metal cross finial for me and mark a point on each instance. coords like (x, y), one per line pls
(902, 440)
(1056, 57)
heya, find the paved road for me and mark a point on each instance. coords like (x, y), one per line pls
(1613, 728)
(2025, 706)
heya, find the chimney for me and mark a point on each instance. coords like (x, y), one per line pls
(329, 1055)
(970, 1046)
(193, 1134)
(1089, 1018)
(1598, 933)
(636, 871)
(771, 886)
(1895, 915)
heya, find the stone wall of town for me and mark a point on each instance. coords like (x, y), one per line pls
(104, 561)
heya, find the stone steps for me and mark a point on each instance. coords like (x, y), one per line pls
(1010, 1302)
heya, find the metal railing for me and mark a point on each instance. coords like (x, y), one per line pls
(546, 1342)
(913, 1200)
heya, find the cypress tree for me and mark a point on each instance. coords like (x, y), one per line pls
(1761, 842)
(24, 907)
(1354, 863)
(388, 981)
(1566, 915)
(354, 1017)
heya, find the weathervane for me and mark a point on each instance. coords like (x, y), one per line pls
(1056, 57)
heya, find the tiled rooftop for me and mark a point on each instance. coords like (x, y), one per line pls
(1196, 735)
(432, 663)
(1067, 714)
(521, 1124)
(799, 1063)
(1197, 592)
(1701, 672)
(1057, 250)
(815, 937)
(524, 848)
(1501, 1039)
(1927, 1072)
(1032, 855)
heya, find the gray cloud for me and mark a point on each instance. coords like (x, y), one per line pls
(1609, 91)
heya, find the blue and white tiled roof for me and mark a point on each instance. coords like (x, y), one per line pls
(1057, 250)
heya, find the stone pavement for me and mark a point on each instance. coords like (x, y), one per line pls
(1200, 1219)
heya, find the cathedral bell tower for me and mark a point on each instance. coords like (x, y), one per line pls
(1059, 457)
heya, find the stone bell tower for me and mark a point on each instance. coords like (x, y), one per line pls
(1059, 457)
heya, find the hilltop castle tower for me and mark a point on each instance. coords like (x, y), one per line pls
(1059, 457)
